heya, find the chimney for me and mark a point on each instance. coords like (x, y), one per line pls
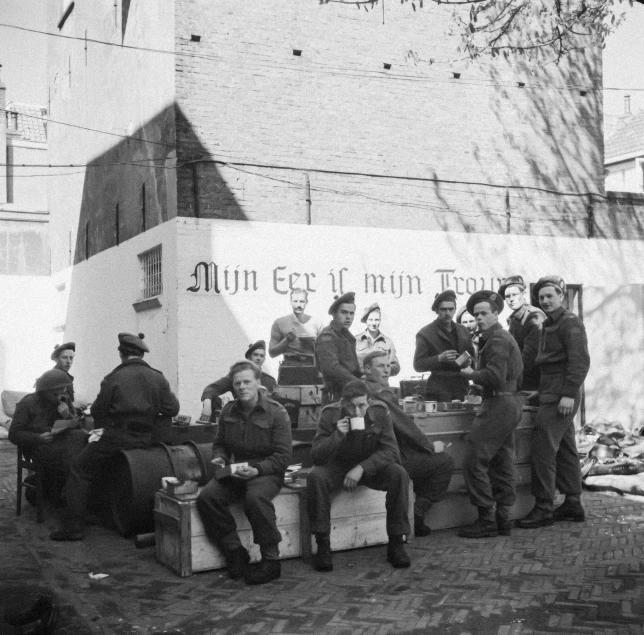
(627, 104)
(3, 142)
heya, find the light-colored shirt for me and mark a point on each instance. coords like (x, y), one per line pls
(365, 344)
(310, 327)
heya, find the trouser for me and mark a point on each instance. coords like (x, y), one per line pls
(257, 495)
(430, 475)
(488, 465)
(554, 458)
(92, 465)
(324, 480)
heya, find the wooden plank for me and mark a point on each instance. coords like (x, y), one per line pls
(307, 395)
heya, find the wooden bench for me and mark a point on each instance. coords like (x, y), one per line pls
(358, 519)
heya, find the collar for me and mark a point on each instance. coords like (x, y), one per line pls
(555, 315)
(338, 329)
(261, 404)
(366, 336)
(518, 314)
(439, 325)
(485, 335)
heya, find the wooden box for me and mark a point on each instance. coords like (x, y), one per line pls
(306, 395)
(182, 544)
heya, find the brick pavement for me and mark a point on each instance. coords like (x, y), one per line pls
(585, 579)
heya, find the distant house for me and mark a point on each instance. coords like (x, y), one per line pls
(624, 154)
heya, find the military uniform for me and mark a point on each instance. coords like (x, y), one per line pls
(445, 382)
(525, 326)
(335, 349)
(261, 437)
(365, 344)
(335, 454)
(564, 361)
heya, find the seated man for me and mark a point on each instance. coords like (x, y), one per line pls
(31, 429)
(344, 457)
(256, 430)
(211, 397)
(430, 471)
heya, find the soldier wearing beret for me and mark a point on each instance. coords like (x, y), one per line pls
(211, 394)
(346, 457)
(335, 349)
(372, 339)
(525, 326)
(134, 407)
(563, 360)
(488, 465)
(437, 346)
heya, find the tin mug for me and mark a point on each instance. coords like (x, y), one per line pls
(431, 406)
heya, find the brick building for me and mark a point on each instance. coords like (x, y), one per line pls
(236, 149)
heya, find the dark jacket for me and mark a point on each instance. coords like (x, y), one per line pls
(134, 396)
(431, 341)
(563, 356)
(262, 437)
(525, 326)
(500, 363)
(335, 351)
(373, 448)
(33, 416)
(408, 434)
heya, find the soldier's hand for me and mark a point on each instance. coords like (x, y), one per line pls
(291, 336)
(219, 461)
(63, 409)
(246, 473)
(46, 437)
(467, 371)
(353, 477)
(566, 406)
(447, 356)
(344, 425)
(206, 409)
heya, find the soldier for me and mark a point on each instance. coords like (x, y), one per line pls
(346, 457)
(133, 408)
(63, 355)
(525, 326)
(372, 339)
(335, 349)
(563, 360)
(488, 465)
(256, 430)
(437, 346)
(430, 471)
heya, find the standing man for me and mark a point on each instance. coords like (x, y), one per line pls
(525, 326)
(564, 362)
(256, 430)
(437, 346)
(488, 465)
(294, 334)
(346, 457)
(134, 407)
(371, 339)
(430, 471)
(335, 349)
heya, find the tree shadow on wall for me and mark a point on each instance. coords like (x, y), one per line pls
(133, 186)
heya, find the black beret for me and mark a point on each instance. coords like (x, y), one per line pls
(253, 347)
(484, 295)
(373, 307)
(135, 342)
(548, 281)
(511, 281)
(446, 296)
(54, 378)
(348, 298)
(69, 346)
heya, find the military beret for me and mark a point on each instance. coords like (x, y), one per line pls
(459, 314)
(370, 309)
(484, 295)
(511, 281)
(548, 281)
(446, 296)
(71, 346)
(253, 347)
(133, 342)
(52, 379)
(348, 298)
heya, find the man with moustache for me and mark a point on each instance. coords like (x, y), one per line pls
(335, 349)
(563, 360)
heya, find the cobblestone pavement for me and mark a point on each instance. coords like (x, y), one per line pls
(585, 578)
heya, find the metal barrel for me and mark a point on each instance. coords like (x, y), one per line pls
(137, 474)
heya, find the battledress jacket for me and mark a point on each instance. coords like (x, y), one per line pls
(32, 418)
(335, 350)
(525, 326)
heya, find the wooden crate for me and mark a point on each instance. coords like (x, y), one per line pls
(306, 395)
(181, 542)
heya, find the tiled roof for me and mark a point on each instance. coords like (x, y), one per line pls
(628, 139)
(31, 121)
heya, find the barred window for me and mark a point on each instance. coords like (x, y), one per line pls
(151, 272)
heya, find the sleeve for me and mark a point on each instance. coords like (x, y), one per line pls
(327, 439)
(576, 342)
(496, 364)
(274, 348)
(393, 357)
(531, 342)
(387, 451)
(219, 450)
(100, 409)
(268, 382)
(219, 387)
(169, 406)
(425, 356)
(279, 460)
(19, 432)
(329, 362)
